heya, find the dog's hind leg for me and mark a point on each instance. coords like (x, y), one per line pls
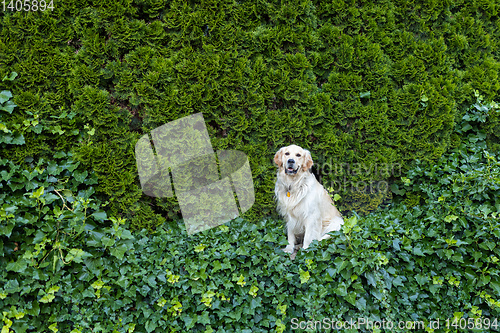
(310, 233)
(334, 225)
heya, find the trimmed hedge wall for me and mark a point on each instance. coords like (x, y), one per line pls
(353, 81)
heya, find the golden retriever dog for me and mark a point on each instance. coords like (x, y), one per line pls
(304, 203)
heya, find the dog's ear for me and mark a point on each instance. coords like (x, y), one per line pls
(278, 158)
(308, 160)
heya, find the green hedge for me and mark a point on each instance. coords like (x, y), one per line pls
(352, 81)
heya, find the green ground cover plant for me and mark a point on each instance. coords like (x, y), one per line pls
(69, 266)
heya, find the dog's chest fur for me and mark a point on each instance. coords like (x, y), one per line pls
(297, 189)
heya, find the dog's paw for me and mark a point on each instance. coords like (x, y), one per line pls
(289, 248)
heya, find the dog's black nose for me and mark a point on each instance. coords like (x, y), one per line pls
(291, 161)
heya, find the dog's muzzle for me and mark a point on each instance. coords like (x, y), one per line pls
(291, 169)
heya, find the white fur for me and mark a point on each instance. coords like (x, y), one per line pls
(309, 211)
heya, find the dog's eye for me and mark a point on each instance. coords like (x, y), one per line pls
(298, 155)
(287, 153)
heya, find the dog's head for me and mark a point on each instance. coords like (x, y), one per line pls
(293, 159)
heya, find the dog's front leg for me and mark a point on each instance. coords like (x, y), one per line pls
(291, 240)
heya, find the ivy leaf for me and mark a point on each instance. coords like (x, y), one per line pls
(349, 224)
(241, 280)
(18, 140)
(361, 303)
(450, 218)
(39, 235)
(6, 229)
(18, 266)
(34, 310)
(77, 255)
(495, 286)
(4, 128)
(12, 286)
(418, 251)
(53, 289)
(60, 154)
(119, 251)
(421, 279)
(9, 107)
(80, 176)
(255, 302)
(466, 127)
(395, 244)
(107, 241)
(304, 276)
(53, 168)
(398, 281)
(341, 289)
(47, 298)
(217, 266)
(395, 189)
(38, 193)
(200, 248)
(5, 95)
(370, 277)
(351, 298)
(151, 325)
(190, 320)
(204, 318)
(100, 215)
(253, 291)
(97, 284)
(126, 234)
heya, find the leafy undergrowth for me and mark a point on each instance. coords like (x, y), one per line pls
(429, 262)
